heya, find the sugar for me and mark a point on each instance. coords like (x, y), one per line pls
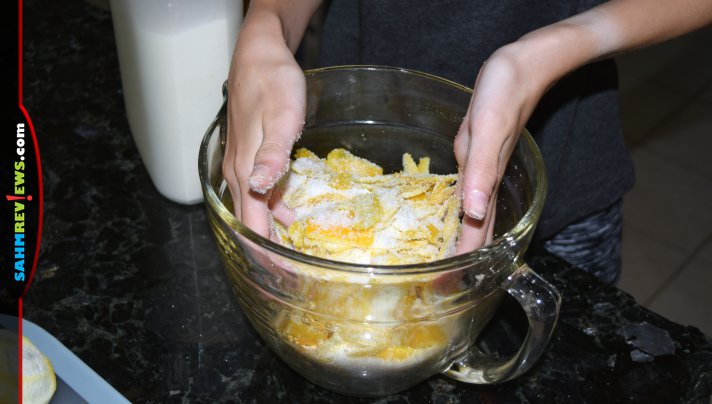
(358, 217)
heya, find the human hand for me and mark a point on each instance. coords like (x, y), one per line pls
(515, 77)
(266, 108)
(505, 93)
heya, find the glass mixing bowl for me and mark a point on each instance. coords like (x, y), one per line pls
(375, 330)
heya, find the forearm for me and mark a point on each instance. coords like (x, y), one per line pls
(287, 18)
(629, 24)
(514, 78)
(606, 30)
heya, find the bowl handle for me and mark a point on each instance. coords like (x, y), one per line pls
(540, 301)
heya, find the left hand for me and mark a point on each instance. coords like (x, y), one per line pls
(505, 94)
(515, 77)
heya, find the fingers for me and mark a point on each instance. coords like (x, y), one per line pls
(479, 158)
(281, 127)
(280, 212)
(472, 232)
(265, 118)
(489, 142)
(476, 233)
(484, 143)
(490, 138)
(249, 207)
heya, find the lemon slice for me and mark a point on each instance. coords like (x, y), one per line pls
(38, 380)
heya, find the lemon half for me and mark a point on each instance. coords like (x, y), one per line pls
(38, 380)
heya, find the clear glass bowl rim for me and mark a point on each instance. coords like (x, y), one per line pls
(511, 237)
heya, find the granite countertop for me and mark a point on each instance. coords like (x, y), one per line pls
(132, 283)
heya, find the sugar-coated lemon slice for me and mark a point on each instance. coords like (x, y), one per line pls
(38, 380)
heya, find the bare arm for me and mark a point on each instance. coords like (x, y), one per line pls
(267, 93)
(286, 18)
(516, 76)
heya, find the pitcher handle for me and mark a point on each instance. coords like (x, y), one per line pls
(540, 301)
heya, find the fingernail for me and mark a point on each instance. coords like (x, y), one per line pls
(258, 179)
(476, 204)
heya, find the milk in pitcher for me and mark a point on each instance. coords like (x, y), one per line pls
(174, 56)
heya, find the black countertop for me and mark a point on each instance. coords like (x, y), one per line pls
(131, 282)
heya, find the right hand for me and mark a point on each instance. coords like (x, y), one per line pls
(266, 108)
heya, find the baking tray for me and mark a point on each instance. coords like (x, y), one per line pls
(76, 382)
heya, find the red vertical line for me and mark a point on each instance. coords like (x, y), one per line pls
(19, 348)
(39, 176)
(37, 158)
(19, 51)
